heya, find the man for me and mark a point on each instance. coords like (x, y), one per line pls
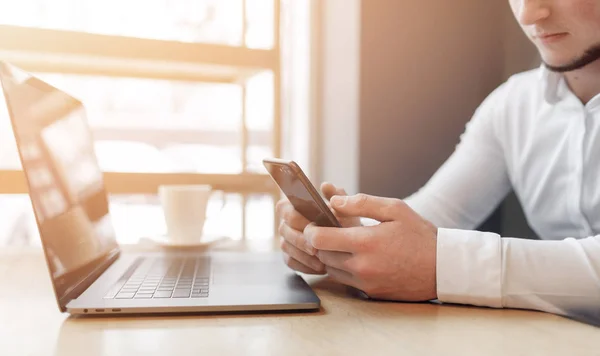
(539, 134)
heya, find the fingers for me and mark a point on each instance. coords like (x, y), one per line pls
(296, 238)
(330, 190)
(306, 260)
(292, 218)
(297, 266)
(351, 239)
(338, 260)
(342, 277)
(369, 206)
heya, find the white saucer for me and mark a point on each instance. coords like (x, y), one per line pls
(163, 241)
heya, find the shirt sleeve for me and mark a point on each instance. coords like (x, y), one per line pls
(481, 268)
(474, 180)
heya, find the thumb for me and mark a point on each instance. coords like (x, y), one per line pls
(368, 206)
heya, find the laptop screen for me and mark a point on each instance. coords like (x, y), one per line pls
(65, 181)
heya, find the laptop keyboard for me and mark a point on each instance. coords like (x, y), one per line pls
(164, 278)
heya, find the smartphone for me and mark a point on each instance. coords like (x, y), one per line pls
(300, 191)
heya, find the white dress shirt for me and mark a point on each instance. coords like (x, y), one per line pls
(533, 135)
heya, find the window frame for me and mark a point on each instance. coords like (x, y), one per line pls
(69, 52)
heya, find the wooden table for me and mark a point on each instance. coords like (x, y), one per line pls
(30, 324)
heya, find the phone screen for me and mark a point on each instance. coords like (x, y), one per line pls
(298, 189)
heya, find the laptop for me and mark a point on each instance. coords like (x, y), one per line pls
(89, 272)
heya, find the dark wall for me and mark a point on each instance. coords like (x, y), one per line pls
(425, 67)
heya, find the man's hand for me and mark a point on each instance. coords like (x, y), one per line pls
(395, 260)
(298, 253)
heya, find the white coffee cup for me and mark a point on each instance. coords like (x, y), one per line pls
(185, 210)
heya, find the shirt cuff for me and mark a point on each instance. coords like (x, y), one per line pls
(469, 267)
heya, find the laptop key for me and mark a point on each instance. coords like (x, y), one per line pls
(143, 296)
(181, 294)
(163, 294)
(114, 290)
(129, 290)
(125, 295)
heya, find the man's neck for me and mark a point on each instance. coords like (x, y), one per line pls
(585, 82)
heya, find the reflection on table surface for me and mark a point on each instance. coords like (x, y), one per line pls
(347, 324)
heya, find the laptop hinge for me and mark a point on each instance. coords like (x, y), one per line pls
(88, 281)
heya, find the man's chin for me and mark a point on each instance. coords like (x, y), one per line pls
(588, 57)
(558, 67)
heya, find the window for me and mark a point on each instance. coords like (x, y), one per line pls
(200, 21)
(184, 91)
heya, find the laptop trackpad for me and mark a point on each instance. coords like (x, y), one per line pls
(248, 272)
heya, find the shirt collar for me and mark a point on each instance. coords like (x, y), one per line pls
(552, 84)
(555, 88)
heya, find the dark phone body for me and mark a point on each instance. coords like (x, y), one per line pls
(300, 191)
